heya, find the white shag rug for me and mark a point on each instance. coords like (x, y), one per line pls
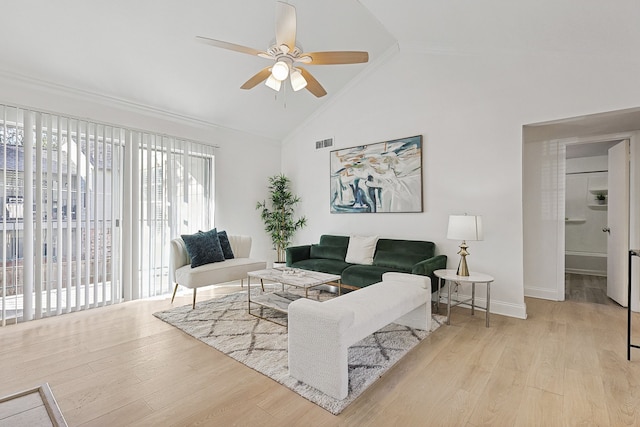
(224, 324)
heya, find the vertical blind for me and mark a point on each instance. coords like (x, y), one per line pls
(88, 209)
(176, 194)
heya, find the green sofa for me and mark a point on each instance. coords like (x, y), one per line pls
(404, 256)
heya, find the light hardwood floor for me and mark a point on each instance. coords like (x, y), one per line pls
(565, 365)
(586, 288)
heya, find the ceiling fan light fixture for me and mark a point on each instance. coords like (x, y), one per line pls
(297, 81)
(280, 70)
(273, 83)
(284, 54)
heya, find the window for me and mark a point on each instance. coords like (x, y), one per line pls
(72, 218)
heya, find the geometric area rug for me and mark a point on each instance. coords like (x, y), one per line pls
(31, 408)
(224, 324)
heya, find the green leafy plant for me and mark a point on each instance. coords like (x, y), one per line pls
(600, 196)
(279, 219)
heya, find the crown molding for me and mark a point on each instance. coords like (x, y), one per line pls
(116, 102)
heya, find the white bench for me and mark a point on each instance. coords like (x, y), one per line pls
(181, 272)
(321, 332)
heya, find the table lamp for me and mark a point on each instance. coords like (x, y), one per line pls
(464, 227)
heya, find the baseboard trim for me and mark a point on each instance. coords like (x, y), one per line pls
(598, 273)
(519, 311)
(542, 293)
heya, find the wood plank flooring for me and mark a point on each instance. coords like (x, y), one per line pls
(565, 365)
(586, 288)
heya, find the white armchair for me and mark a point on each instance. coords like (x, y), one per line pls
(181, 273)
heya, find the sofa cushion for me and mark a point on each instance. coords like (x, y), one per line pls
(365, 275)
(361, 249)
(225, 245)
(330, 240)
(203, 247)
(328, 252)
(414, 247)
(399, 260)
(240, 245)
(219, 272)
(331, 266)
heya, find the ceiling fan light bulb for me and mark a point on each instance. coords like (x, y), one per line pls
(297, 81)
(273, 83)
(280, 70)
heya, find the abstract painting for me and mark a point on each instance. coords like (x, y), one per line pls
(376, 178)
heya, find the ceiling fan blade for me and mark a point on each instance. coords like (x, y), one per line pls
(285, 25)
(231, 46)
(312, 84)
(339, 57)
(259, 77)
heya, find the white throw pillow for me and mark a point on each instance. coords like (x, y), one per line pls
(361, 249)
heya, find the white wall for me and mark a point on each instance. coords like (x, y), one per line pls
(587, 164)
(243, 161)
(470, 110)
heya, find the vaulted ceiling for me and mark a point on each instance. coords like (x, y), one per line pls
(145, 52)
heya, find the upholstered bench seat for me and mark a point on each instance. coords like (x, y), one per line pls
(321, 332)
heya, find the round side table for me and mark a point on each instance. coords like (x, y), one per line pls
(473, 278)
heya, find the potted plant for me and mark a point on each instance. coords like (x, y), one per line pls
(601, 198)
(279, 219)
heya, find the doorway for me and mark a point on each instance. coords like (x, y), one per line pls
(544, 146)
(596, 223)
(586, 221)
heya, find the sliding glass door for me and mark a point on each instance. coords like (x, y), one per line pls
(87, 211)
(59, 205)
(176, 178)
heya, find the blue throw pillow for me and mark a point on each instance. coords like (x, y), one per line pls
(226, 246)
(203, 247)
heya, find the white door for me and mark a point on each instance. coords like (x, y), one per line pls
(618, 223)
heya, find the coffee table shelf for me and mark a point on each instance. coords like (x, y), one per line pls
(280, 301)
(275, 300)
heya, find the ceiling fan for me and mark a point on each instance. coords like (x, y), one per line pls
(287, 56)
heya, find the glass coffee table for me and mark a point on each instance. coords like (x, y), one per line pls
(297, 278)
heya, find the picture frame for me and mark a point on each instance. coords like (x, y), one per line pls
(383, 177)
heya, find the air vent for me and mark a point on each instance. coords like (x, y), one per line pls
(324, 143)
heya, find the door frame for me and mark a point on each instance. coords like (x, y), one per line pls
(634, 206)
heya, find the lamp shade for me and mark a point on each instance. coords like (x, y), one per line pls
(465, 227)
(273, 83)
(280, 70)
(297, 81)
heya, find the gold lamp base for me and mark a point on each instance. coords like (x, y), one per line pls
(463, 270)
